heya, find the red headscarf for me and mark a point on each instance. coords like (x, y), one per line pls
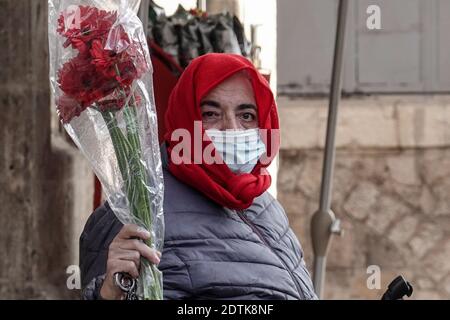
(217, 181)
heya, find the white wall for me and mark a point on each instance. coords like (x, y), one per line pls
(170, 6)
(410, 53)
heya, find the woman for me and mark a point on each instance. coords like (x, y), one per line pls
(226, 237)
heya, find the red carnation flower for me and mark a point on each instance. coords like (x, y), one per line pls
(116, 101)
(68, 108)
(125, 66)
(127, 73)
(79, 80)
(102, 58)
(96, 72)
(82, 27)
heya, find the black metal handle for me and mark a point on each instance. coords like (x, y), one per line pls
(397, 289)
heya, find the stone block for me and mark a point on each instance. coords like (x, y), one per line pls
(361, 200)
(384, 212)
(403, 230)
(426, 238)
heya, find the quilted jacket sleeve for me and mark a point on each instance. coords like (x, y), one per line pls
(99, 231)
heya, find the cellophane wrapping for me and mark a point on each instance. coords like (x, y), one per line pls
(101, 80)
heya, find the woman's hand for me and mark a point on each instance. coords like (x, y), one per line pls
(124, 255)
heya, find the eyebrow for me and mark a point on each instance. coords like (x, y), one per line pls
(211, 103)
(246, 106)
(216, 104)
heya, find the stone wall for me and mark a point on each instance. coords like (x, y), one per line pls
(393, 199)
(45, 185)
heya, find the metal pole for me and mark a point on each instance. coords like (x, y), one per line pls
(324, 223)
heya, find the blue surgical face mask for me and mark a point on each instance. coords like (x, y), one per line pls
(239, 149)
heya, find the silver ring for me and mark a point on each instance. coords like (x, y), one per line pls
(124, 281)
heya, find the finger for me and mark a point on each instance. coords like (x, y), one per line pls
(124, 266)
(130, 255)
(144, 250)
(133, 231)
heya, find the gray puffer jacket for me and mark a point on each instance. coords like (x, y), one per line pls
(210, 252)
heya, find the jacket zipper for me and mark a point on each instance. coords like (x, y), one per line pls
(241, 214)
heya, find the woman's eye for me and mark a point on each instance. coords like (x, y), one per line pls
(210, 114)
(248, 116)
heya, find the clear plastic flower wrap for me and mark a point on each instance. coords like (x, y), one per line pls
(101, 79)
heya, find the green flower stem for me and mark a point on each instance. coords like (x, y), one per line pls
(120, 144)
(128, 151)
(143, 207)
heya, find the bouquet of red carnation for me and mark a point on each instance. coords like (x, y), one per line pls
(101, 77)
